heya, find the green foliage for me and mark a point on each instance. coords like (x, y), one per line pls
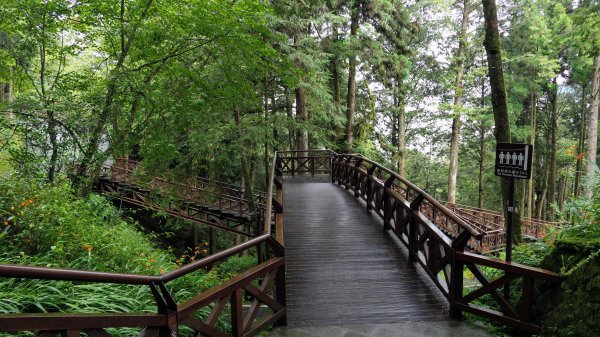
(48, 225)
(575, 311)
(50, 222)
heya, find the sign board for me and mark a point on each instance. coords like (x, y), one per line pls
(513, 160)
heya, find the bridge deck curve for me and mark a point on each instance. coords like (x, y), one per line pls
(342, 269)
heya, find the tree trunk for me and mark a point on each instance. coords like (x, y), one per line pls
(51, 122)
(267, 135)
(580, 147)
(52, 135)
(290, 113)
(6, 92)
(335, 85)
(592, 142)
(401, 127)
(458, 95)
(539, 206)
(533, 105)
(499, 101)
(482, 130)
(523, 195)
(335, 71)
(89, 162)
(302, 114)
(6, 89)
(553, 139)
(481, 167)
(562, 187)
(351, 101)
(246, 174)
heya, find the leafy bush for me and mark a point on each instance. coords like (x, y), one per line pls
(49, 225)
(573, 311)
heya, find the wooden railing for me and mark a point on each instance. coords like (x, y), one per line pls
(437, 239)
(494, 221)
(215, 194)
(515, 310)
(306, 162)
(263, 284)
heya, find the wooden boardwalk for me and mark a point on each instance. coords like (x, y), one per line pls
(341, 269)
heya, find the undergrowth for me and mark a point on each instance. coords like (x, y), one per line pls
(49, 225)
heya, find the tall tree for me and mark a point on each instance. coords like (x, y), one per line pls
(580, 145)
(499, 99)
(592, 141)
(585, 38)
(458, 97)
(552, 189)
(352, 62)
(302, 114)
(129, 26)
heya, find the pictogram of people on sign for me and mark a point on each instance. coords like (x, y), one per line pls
(511, 159)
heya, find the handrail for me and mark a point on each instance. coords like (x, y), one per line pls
(309, 150)
(137, 163)
(225, 191)
(269, 197)
(475, 233)
(496, 213)
(61, 274)
(440, 249)
(209, 260)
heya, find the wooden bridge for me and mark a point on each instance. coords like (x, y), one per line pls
(226, 207)
(374, 249)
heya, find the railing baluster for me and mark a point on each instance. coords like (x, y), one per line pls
(370, 187)
(413, 224)
(237, 315)
(356, 176)
(280, 293)
(456, 276)
(526, 299)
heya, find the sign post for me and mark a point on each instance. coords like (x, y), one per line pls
(512, 161)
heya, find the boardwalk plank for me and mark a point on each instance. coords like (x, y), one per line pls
(341, 268)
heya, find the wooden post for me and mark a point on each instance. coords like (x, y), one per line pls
(456, 276)
(370, 187)
(71, 333)
(413, 249)
(166, 306)
(292, 164)
(387, 203)
(332, 169)
(237, 316)
(280, 293)
(347, 179)
(527, 299)
(412, 239)
(356, 178)
(278, 203)
(387, 210)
